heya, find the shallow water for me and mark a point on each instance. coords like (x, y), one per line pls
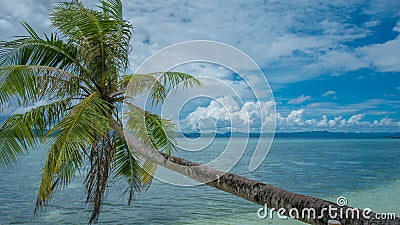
(367, 172)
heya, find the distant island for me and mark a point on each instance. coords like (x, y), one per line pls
(305, 134)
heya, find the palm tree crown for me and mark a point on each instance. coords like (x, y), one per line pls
(78, 72)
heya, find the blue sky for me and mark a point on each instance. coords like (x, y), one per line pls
(332, 65)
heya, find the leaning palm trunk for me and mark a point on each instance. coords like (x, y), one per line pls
(251, 190)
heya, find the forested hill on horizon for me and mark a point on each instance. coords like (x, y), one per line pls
(304, 134)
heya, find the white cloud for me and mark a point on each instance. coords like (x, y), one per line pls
(295, 117)
(5, 24)
(299, 100)
(286, 45)
(384, 57)
(372, 23)
(355, 119)
(300, 39)
(379, 8)
(14, 12)
(328, 93)
(336, 121)
(397, 27)
(323, 122)
(337, 62)
(295, 121)
(228, 116)
(370, 107)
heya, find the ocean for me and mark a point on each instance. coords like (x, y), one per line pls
(365, 171)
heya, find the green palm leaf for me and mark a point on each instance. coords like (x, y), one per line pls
(154, 131)
(113, 9)
(127, 167)
(69, 139)
(151, 129)
(103, 40)
(146, 174)
(21, 132)
(30, 83)
(51, 51)
(157, 85)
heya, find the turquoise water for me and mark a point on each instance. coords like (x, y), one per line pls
(367, 172)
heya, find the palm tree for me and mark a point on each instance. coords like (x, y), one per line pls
(78, 73)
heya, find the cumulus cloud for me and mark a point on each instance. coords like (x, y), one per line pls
(295, 117)
(296, 121)
(299, 100)
(355, 119)
(230, 116)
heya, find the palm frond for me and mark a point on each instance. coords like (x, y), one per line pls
(157, 85)
(173, 79)
(145, 84)
(127, 167)
(120, 38)
(103, 41)
(154, 131)
(11, 147)
(51, 51)
(146, 172)
(69, 138)
(30, 83)
(112, 8)
(161, 132)
(21, 132)
(151, 129)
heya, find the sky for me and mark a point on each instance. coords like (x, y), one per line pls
(331, 65)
